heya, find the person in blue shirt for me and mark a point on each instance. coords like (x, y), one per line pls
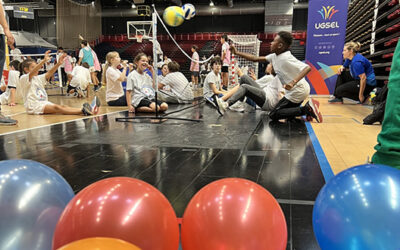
(359, 81)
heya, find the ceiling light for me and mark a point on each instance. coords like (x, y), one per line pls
(211, 4)
(133, 6)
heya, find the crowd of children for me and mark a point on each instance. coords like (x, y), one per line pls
(280, 92)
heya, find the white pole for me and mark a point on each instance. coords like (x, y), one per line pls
(59, 75)
(155, 74)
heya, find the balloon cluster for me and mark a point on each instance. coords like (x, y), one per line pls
(357, 209)
(39, 211)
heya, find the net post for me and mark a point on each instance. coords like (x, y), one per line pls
(155, 70)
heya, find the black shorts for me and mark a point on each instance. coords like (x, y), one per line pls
(145, 102)
(224, 69)
(195, 73)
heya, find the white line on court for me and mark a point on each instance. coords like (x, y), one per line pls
(77, 119)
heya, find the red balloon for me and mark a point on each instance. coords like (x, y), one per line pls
(123, 208)
(233, 214)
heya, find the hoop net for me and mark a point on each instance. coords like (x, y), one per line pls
(247, 44)
(139, 38)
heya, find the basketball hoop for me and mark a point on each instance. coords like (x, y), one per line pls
(139, 38)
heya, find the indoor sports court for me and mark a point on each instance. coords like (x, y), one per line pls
(199, 125)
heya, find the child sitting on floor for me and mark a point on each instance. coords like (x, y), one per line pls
(35, 96)
(140, 88)
(9, 96)
(212, 88)
(179, 88)
(80, 80)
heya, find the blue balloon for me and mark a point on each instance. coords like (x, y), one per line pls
(32, 198)
(359, 209)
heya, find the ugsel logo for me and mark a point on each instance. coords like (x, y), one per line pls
(327, 14)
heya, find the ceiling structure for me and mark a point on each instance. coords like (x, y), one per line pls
(123, 4)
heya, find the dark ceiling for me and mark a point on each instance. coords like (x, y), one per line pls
(126, 3)
(123, 4)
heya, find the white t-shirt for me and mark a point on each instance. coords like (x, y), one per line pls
(13, 79)
(287, 67)
(211, 78)
(179, 85)
(141, 86)
(272, 88)
(81, 77)
(194, 66)
(49, 66)
(227, 59)
(114, 86)
(16, 54)
(33, 91)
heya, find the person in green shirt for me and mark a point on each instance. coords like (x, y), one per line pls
(388, 147)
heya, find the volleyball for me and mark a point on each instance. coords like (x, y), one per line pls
(189, 11)
(173, 16)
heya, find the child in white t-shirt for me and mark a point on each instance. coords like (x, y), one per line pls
(265, 92)
(9, 96)
(113, 78)
(212, 89)
(195, 66)
(35, 96)
(291, 73)
(140, 88)
(226, 60)
(180, 90)
(80, 80)
(164, 73)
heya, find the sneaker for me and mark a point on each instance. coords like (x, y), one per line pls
(222, 104)
(96, 88)
(238, 107)
(80, 92)
(336, 100)
(95, 105)
(215, 100)
(209, 100)
(6, 121)
(313, 110)
(86, 109)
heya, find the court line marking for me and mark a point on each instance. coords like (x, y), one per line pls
(57, 123)
(295, 202)
(20, 113)
(354, 119)
(322, 160)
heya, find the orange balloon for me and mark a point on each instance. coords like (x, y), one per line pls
(99, 244)
(236, 214)
(122, 208)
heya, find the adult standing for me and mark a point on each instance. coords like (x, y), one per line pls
(4, 32)
(360, 81)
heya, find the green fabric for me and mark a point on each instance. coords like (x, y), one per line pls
(388, 147)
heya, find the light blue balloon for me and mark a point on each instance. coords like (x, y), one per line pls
(359, 209)
(32, 198)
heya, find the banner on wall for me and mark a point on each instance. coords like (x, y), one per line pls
(326, 32)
